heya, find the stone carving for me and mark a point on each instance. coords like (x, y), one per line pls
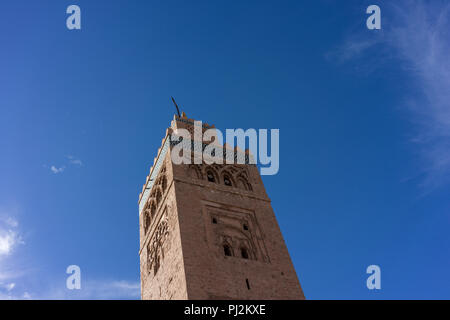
(239, 232)
(231, 175)
(155, 199)
(155, 248)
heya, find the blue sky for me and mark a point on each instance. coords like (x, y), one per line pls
(364, 119)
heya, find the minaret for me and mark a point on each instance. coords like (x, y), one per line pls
(209, 231)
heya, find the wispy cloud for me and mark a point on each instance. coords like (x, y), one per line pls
(423, 41)
(70, 161)
(9, 237)
(111, 290)
(8, 286)
(18, 282)
(417, 32)
(74, 161)
(56, 170)
(93, 290)
(12, 296)
(352, 48)
(10, 221)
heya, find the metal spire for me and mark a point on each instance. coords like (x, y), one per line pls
(176, 106)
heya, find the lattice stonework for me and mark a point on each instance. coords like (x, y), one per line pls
(197, 145)
(155, 248)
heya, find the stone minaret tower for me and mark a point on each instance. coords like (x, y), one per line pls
(209, 232)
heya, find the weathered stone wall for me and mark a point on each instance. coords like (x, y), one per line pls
(209, 272)
(169, 281)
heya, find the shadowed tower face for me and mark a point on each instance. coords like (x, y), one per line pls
(209, 232)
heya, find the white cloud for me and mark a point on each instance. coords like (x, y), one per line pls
(9, 236)
(9, 295)
(423, 41)
(11, 222)
(93, 290)
(56, 170)
(132, 287)
(353, 48)
(8, 275)
(71, 160)
(74, 161)
(17, 283)
(112, 290)
(8, 239)
(417, 32)
(9, 286)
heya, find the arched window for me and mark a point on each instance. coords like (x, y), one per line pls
(152, 209)
(243, 184)
(163, 183)
(244, 253)
(147, 220)
(227, 250)
(194, 172)
(210, 176)
(227, 180)
(158, 196)
(156, 267)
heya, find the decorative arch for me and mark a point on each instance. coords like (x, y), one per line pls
(246, 249)
(211, 175)
(155, 247)
(147, 219)
(243, 172)
(227, 179)
(156, 261)
(195, 172)
(158, 195)
(152, 208)
(244, 253)
(243, 183)
(163, 183)
(227, 249)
